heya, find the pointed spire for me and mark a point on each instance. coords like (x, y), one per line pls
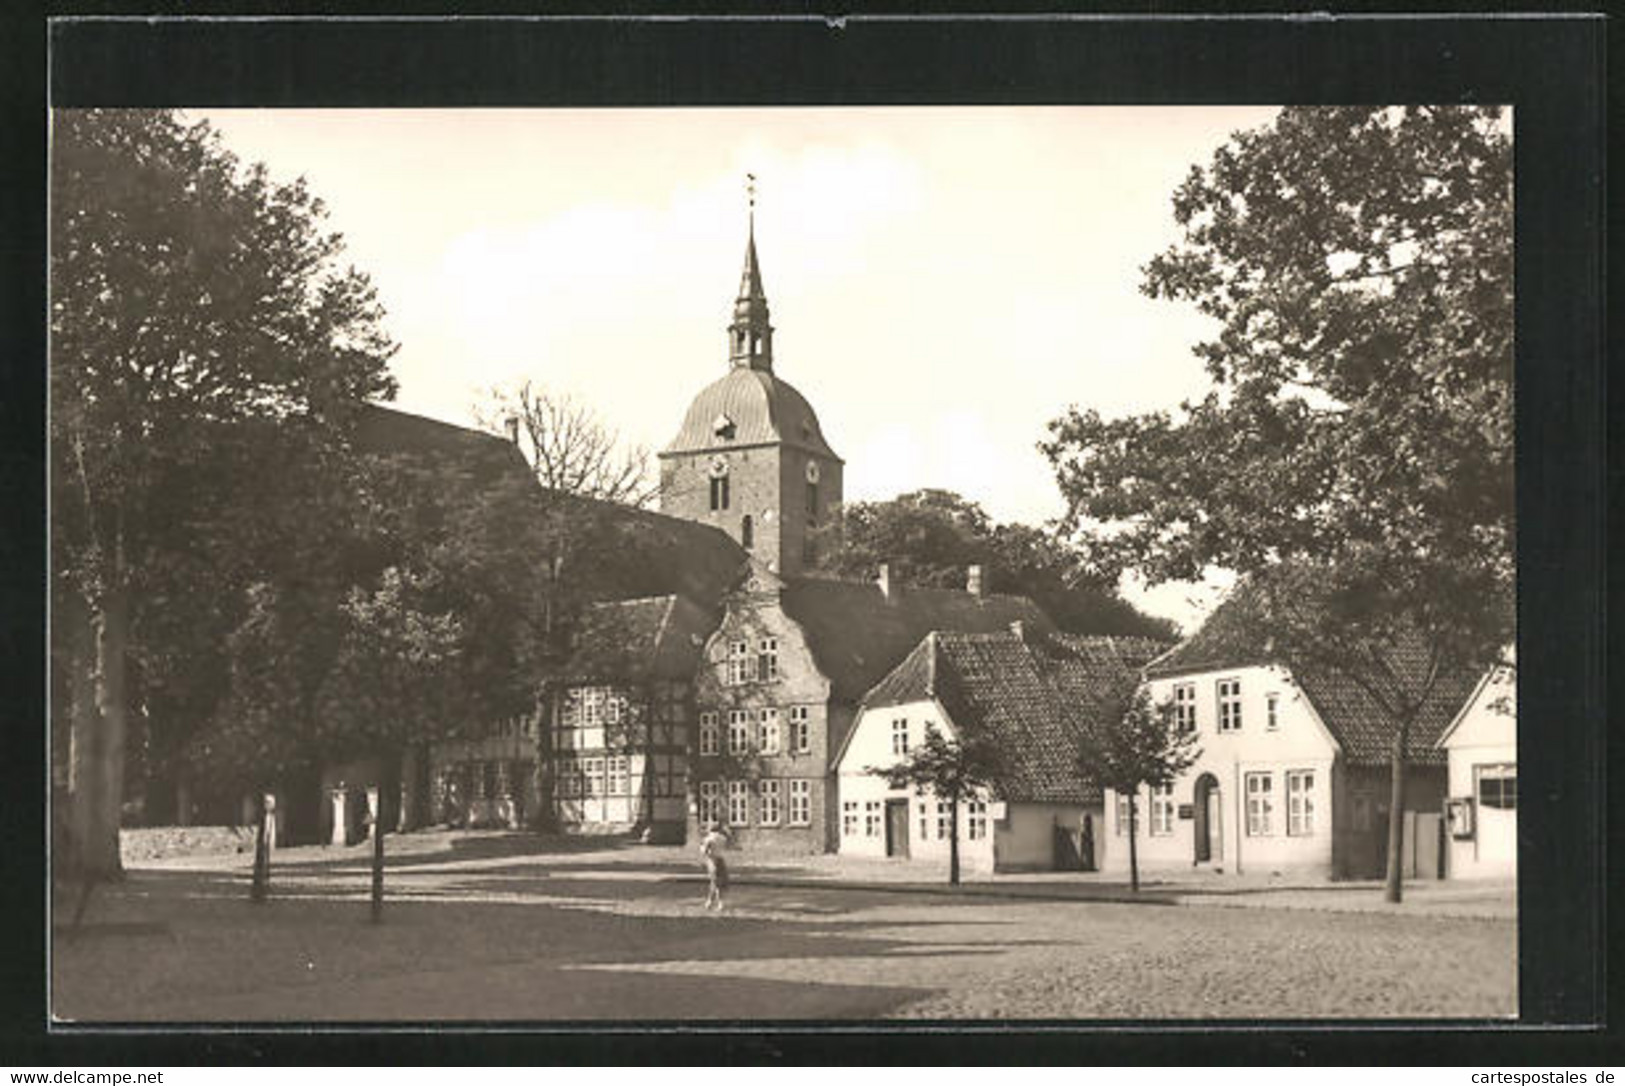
(750, 336)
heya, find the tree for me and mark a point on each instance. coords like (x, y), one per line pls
(929, 537)
(1358, 438)
(572, 449)
(1136, 746)
(953, 770)
(199, 319)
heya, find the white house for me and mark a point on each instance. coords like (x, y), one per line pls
(1481, 746)
(1040, 813)
(1294, 770)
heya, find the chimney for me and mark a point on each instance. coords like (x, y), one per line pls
(1019, 629)
(883, 579)
(511, 424)
(973, 580)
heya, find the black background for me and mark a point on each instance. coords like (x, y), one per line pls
(1549, 68)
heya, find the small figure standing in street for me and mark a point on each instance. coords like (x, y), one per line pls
(716, 868)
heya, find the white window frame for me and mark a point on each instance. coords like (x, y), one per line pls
(925, 822)
(871, 818)
(592, 706)
(800, 729)
(592, 778)
(1496, 771)
(1123, 801)
(1272, 711)
(738, 803)
(767, 659)
(975, 820)
(801, 802)
(710, 802)
(769, 795)
(710, 734)
(739, 664)
(1185, 707)
(738, 731)
(899, 735)
(1162, 811)
(767, 731)
(1260, 788)
(849, 818)
(944, 819)
(1228, 692)
(617, 776)
(1300, 803)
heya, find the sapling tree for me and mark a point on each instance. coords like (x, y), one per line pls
(954, 770)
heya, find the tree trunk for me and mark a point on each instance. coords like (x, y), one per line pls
(83, 735)
(100, 849)
(1133, 852)
(953, 841)
(1393, 888)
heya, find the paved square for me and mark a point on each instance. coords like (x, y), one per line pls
(498, 930)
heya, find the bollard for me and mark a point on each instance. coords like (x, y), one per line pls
(260, 888)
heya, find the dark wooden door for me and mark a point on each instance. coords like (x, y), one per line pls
(897, 827)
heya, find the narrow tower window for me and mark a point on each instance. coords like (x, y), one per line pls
(719, 493)
(747, 533)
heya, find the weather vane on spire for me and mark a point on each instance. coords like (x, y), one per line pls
(750, 191)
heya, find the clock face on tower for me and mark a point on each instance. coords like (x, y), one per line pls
(719, 467)
(812, 471)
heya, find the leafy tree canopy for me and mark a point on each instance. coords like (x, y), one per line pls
(1358, 263)
(930, 537)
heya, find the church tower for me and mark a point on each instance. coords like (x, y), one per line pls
(750, 458)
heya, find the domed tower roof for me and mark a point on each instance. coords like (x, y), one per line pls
(749, 407)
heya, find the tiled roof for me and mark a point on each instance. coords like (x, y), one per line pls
(857, 634)
(1232, 637)
(660, 637)
(763, 409)
(386, 431)
(1030, 694)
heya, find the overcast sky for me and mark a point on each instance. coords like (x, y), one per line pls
(943, 281)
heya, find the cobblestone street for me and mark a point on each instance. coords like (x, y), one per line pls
(488, 931)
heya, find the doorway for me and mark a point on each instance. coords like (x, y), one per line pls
(897, 827)
(1208, 836)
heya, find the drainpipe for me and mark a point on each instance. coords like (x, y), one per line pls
(1241, 815)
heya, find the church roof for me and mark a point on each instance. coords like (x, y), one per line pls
(763, 410)
(857, 633)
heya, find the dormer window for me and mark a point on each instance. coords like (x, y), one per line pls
(723, 426)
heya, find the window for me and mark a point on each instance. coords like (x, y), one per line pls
(1260, 804)
(1162, 810)
(1229, 705)
(944, 820)
(976, 820)
(767, 731)
(1497, 786)
(738, 731)
(767, 795)
(738, 803)
(739, 669)
(800, 730)
(812, 502)
(569, 778)
(1300, 802)
(616, 772)
(899, 736)
(747, 533)
(767, 659)
(592, 705)
(1272, 711)
(871, 818)
(800, 803)
(925, 823)
(849, 818)
(719, 492)
(1185, 707)
(709, 737)
(710, 802)
(1123, 805)
(593, 784)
